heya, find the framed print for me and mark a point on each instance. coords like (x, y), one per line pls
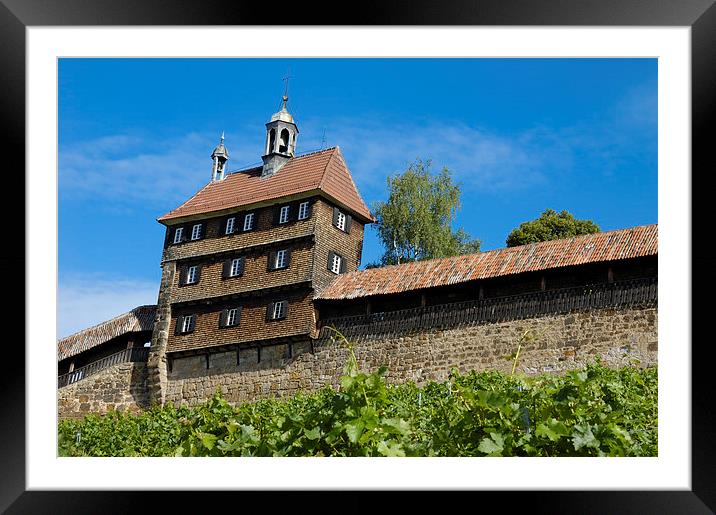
(35, 36)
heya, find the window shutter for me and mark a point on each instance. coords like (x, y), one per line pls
(192, 322)
(335, 216)
(276, 215)
(293, 212)
(198, 273)
(288, 258)
(269, 311)
(349, 221)
(343, 265)
(182, 275)
(186, 233)
(330, 260)
(223, 317)
(253, 223)
(226, 269)
(271, 260)
(310, 209)
(237, 320)
(180, 322)
(242, 261)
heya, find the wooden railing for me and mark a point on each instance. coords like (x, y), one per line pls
(134, 354)
(631, 293)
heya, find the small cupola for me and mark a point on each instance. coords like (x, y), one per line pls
(219, 156)
(281, 135)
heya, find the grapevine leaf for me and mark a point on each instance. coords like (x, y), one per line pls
(207, 440)
(583, 437)
(552, 429)
(354, 429)
(312, 434)
(394, 449)
(492, 446)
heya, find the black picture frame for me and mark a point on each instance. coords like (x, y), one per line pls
(699, 15)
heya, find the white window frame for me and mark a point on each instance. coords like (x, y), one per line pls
(303, 210)
(231, 316)
(283, 215)
(336, 264)
(279, 309)
(249, 221)
(235, 263)
(230, 225)
(191, 274)
(186, 323)
(196, 232)
(178, 233)
(341, 222)
(280, 259)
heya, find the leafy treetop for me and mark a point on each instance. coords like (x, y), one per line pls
(550, 226)
(415, 223)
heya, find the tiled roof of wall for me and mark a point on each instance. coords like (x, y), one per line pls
(605, 246)
(139, 319)
(324, 170)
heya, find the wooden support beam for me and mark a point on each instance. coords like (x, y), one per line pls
(238, 355)
(481, 293)
(258, 354)
(206, 356)
(367, 307)
(423, 300)
(312, 351)
(543, 283)
(170, 364)
(290, 350)
(72, 366)
(610, 275)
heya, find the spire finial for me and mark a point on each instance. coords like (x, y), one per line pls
(285, 89)
(222, 136)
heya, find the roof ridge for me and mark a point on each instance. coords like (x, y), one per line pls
(325, 170)
(350, 177)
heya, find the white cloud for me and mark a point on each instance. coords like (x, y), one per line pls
(86, 300)
(479, 159)
(129, 169)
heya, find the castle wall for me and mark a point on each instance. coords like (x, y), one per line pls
(618, 337)
(122, 387)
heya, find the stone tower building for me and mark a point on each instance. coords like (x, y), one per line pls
(245, 256)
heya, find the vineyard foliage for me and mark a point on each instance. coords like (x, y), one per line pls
(595, 411)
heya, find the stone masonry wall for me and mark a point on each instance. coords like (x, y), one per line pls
(122, 387)
(557, 343)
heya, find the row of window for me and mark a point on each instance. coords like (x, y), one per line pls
(231, 317)
(277, 260)
(247, 222)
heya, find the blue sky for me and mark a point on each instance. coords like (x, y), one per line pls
(519, 136)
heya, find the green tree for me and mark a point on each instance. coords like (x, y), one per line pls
(550, 226)
(415, 222)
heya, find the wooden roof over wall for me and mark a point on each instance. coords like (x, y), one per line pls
(139, 319)
(628, 243)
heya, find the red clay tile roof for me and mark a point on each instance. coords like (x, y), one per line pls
(324, 171)
(606, 246)
(139, 319)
